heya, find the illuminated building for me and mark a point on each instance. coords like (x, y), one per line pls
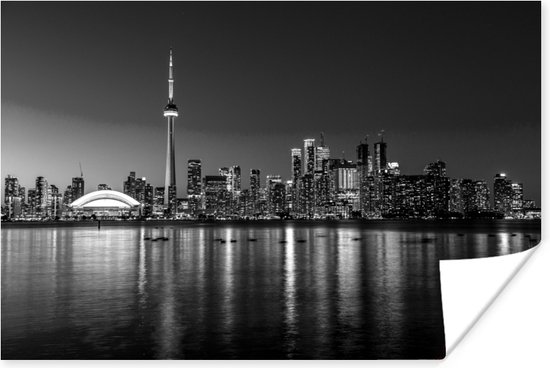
(170, 113)
(14, 198)
(77, 189)
(503, 193)
(106, 204)
(437, 185)
(41, 197)
(517, 196)
(481, 196)
(215, 195)
(380, 158)
(103, 187)
(129, 186)
(194, 190)
(255, 186)
(158, 201)
(322, 153)
(309, 156)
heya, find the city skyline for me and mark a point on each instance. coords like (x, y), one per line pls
(242, 106)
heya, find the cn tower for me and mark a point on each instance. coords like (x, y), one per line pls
(170, 112)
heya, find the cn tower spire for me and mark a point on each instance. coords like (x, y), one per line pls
(170, 81)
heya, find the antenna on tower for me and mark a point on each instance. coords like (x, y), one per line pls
(381, 134)
(322, 139)
(81, 173)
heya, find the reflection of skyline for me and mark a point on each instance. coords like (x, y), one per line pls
(194, 297)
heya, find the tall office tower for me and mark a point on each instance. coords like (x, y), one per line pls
(148, 200)
(194, 177)
(364, 170)
(296, 172)
(481, 196)
(103, 187)
(234, 179)
(11, 188)
(170, 113)
(517, 197)
(215, 195)
(503, 193)
(12, 196)
(32, 199)
(129, 186)
(55, 198)
(67, 197)
(158, 201)
(380, 158)
(77, 187)
(437, 168)
(255, 186)
(456, 201)
(274, 191)
(296, 163)
(307, 196)
(140, 190)
(194, 186)
(309, 156)
(41, 196)
(438, 185)
(322, 153)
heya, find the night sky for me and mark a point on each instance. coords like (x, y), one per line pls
(87, 82)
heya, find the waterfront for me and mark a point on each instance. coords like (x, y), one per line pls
(280, 290)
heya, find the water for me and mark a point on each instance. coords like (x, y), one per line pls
(336, 290)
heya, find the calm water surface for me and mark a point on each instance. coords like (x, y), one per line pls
(340, 290)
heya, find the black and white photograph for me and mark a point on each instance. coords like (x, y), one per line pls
(258, 180)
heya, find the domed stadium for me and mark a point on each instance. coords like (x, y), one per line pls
(106, 204)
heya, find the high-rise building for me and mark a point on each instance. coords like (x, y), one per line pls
(194, 186)
(41, 196)
(77, 187)
(215, 195)
(296, 163)
(481, 196)
(194, 177)
(437, 186)
(129, 186)
(170, 113)
(296, 172)
(14, 198)
(322, 153)
(309, 156)
(380, 159)
(255, 186)
(503, 193)
(517, 197)
(234, 179)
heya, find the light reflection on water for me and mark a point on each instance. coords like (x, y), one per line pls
(338, 291)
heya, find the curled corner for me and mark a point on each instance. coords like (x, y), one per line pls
(469, 287)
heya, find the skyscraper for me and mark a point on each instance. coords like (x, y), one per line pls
(309, 156)
(170, 112)
(194, 181)
(194, 177)
(322, 153)
(255, 189)
(41, 196)
(296, 170)
(380, 158)
(234, 179)
(503, 193)
(77, 188)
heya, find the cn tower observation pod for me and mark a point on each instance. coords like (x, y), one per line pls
(106, 203)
